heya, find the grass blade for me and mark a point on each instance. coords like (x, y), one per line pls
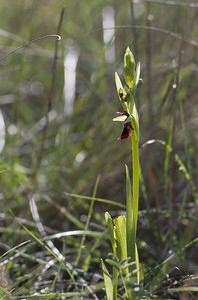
(108, 282)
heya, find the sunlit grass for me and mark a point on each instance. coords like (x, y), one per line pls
(52, 227)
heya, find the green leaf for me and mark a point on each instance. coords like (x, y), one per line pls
(108, 282)
(110, 226)
(109, 221)
(139, 266)
(120, 235)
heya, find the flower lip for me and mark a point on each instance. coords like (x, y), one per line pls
(126, 131)
(124, 116)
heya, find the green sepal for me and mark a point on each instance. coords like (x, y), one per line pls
(135, 121)
(122, 92)
(137, 74)
(118, 83)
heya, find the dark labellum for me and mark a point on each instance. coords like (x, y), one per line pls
(126, 131)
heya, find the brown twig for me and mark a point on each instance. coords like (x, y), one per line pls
(173, 34)
(170, 2)
(172, 121)
(134, 31)
(40, 226)
(149, 63)
(27, 44)
(50, 99)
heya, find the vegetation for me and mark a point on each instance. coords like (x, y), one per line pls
(61, 167)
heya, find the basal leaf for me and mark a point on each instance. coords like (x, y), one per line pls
(120, 235)
(108, 282)
(110, 225)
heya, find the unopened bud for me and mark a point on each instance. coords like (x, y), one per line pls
(129, 68)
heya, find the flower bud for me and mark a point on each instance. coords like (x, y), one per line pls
(129, 68)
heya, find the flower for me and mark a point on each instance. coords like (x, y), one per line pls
(126, 118)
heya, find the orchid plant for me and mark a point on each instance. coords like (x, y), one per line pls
(122, 229)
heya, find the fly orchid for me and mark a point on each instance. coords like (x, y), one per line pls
(123, 228)
(126, 95)
(126, 118)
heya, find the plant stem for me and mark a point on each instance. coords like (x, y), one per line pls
(136, 175)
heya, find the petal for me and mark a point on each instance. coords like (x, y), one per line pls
(121, 118)
(122, 113)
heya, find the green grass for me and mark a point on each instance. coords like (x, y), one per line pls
(52, 206)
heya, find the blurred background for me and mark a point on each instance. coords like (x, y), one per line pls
(57, 102)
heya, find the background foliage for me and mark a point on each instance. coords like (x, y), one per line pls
(54, 144)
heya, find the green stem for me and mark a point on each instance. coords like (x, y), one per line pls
(136, 175)
(135, 189)
(133, 198)
(132, 202)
